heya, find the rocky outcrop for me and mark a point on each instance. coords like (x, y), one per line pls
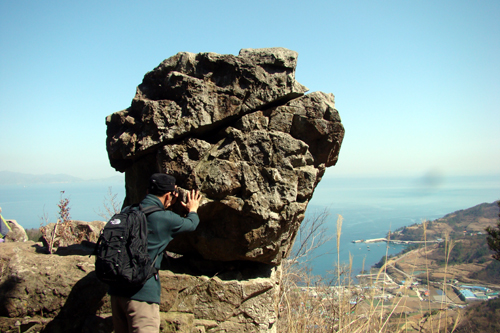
(37, 289)
(60, 293)
(220, 302)
(240, 129)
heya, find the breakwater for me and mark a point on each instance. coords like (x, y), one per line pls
(395, 241)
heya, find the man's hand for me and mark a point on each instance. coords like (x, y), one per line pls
(193, 201)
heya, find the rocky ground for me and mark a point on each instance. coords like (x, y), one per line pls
(60, 293)
(40, 290)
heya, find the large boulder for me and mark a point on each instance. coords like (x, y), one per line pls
(240, 129)
(16, 233)
(71, 234)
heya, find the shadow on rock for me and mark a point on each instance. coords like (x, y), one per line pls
(5, 290)
(230, 270)
(83, 249)
(80, 312)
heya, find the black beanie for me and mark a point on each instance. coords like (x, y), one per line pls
(161, 183)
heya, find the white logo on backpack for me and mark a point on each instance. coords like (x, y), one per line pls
(115, 221)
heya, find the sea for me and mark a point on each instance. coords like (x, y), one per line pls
(369, 207)
(34, 204)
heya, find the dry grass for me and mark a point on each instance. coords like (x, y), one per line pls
(111, 205)
(61, 229)
(335, 304)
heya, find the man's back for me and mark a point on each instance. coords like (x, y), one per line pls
(163, 226)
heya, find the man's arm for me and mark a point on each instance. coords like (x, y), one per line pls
(191, 221)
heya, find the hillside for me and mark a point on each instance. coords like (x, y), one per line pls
(457, 225)
(449, 268)
(483, 317)
(463, 232)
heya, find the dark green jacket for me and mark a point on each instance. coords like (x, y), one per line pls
(163, 226)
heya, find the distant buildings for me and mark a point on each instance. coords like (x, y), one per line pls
(475, 293)
(466, 295)
(475, 288)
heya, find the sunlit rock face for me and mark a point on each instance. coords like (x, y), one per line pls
(242, 131)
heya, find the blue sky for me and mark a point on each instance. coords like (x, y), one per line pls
(417, 83)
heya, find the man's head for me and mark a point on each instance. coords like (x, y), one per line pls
(160, 184)
(163, 186)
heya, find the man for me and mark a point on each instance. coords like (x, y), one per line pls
(4, 227)
(137, 309)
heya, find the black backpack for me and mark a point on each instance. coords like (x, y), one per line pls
(121, 251)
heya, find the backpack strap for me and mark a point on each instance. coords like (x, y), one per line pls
(150, 209)
(147, 211)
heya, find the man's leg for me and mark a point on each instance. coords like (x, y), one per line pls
(134, 316)
(144, 317)
(120, 318)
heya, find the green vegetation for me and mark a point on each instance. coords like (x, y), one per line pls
(34, 235)
(411, 233)
(467, 251)
(481, 317)
(412, 247)
(382, 261)
(490, 273)
(493, 238)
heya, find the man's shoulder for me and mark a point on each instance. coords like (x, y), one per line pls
(151, 200)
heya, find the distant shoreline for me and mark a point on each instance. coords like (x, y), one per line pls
(17, 178)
